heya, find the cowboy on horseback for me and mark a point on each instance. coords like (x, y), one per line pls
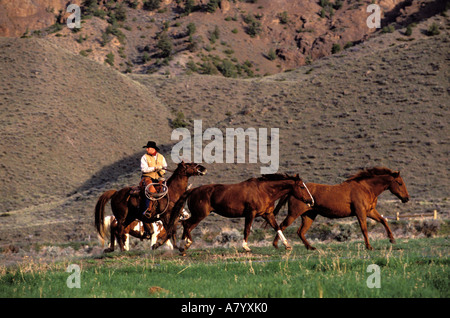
(153, 165)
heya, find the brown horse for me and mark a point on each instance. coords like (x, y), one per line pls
(249, 199)
(126, 207)
(357, 196)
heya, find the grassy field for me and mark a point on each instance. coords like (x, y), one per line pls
(410, 268)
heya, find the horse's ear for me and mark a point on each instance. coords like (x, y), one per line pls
(396, 174)
(297, 176)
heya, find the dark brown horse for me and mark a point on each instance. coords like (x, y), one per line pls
(249, 199)
(357, 196)
(126, 207)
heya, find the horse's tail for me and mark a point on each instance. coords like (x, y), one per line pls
(108, 220)
(176, 212)
(100, 212)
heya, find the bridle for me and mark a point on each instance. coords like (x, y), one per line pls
(312, 199)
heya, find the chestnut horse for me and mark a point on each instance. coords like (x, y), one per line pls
(249, 199)
(357, 196)
(126, 207)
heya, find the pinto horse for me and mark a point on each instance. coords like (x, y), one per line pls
(136, 229)
(126, 207)
(249, 199)
(357, 196)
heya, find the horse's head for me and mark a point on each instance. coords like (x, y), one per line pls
(398, 187)
(301, 191)
(192, 169)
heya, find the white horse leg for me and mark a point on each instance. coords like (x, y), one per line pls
(283, 239)
(245, 246)
(127, 242)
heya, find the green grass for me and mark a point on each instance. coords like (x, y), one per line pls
(411, 268)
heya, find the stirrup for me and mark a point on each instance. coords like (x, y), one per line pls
(147, 213)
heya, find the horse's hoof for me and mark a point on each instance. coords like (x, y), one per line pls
(288, 248)
(108, 250)
(310, 248)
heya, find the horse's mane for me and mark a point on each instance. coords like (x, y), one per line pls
(369, 173)
(276, 177)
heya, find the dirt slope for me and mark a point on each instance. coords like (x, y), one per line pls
(65, 118)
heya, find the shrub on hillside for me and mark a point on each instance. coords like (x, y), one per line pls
(283, 17)
(433, 29)
(191, 28)
(227, 68)
(212, 6)
(151, 5)
(110, 59)
(388, 29)
(253, 26)
(208, 68)
(335, 48)
(271, 55)
(178, 122)
(164, 45)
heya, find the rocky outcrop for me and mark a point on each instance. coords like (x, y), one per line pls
(299, 31)
(16, 17)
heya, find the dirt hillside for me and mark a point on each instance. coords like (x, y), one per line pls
(73, 128)
(65, 119)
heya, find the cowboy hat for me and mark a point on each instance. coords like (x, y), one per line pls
(151, 144)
